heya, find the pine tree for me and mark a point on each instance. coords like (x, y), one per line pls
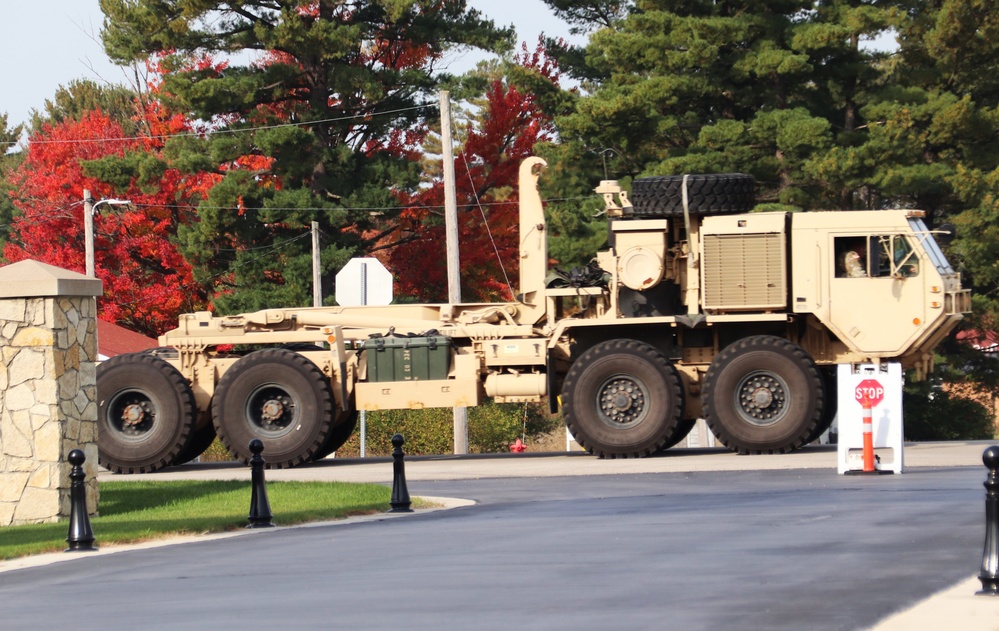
(318, 124)
(9, 159)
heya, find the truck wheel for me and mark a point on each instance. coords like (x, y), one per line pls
(763, 394)
(281, 398)
(338, 435)
(145, 413)
(829, 407)
(720, 194)
(203, 437)
(682, 429)
(621, 399)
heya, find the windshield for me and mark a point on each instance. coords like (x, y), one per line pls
(932, 248)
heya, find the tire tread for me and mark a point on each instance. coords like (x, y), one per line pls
(611, 347)
(765, 343)
(188, 406)
(713, 194)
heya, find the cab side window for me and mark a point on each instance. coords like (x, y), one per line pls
(896, 257)
(851, 257)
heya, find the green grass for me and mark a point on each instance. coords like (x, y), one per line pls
(131, 512)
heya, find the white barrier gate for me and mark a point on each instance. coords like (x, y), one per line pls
(882, 385)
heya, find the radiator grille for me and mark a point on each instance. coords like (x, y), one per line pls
(744, 272)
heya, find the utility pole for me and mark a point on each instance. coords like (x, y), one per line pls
(89, 210)
(88, 232)
(453, 262)
(317, 288)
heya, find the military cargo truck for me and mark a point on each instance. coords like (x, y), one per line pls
(698, 308)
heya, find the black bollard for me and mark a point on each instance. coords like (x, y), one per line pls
(990, 555)
(80, 537)
(260, 508)
(400, 494)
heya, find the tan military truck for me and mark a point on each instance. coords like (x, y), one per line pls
(699, 308)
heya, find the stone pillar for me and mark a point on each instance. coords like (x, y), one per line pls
(48, 389)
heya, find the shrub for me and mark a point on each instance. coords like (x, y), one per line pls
(492, 428)
(216, 452)
(427, 431)
(934, 414)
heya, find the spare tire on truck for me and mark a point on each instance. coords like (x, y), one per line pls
(717, 194)
(145, 413)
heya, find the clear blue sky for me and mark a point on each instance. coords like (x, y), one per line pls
(48, 44)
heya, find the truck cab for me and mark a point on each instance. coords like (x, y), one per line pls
(900, 298)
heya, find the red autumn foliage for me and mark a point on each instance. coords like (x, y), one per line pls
(486, 172)
(147, 283)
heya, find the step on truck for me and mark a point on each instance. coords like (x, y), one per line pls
(697, 309)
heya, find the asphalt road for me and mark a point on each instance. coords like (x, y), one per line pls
(785, 549)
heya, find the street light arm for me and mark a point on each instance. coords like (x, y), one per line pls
(89, 210)
(110, 202)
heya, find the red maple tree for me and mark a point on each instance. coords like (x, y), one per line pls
(147, 283)
(486, 171)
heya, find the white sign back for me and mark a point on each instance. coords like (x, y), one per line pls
(363, 281)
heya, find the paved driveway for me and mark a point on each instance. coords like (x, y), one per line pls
(776, 549)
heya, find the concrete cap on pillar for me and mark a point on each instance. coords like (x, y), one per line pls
(33, 279)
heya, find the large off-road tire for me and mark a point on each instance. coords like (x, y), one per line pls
(279, 397)
(340, 434)
(829, 406)
(720, 194)
(682, 429)
(622, 399)
(203, 437)
(145, 413)
(763, 394)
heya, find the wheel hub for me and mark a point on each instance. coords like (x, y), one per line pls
(622, 401)
(762, 398)
(132, 415)
(130, 412)
(272, 410)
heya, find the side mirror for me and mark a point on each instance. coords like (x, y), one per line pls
(945, 233)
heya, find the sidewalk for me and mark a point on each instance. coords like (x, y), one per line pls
(576, 463)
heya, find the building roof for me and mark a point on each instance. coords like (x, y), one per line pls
(117, 340)
(985, 341)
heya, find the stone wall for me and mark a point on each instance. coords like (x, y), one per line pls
(48, 392)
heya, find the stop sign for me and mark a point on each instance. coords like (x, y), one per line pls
(871, 390)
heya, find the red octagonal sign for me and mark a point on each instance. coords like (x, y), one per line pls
(871, 390)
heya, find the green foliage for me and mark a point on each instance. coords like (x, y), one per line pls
(428, 431)
(81, 96)
(9, 160)
(492, 428)
(934, 414)
(131, 512)
(767, 88)
(216, 452)
(361, 75)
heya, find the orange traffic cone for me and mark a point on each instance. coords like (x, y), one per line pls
(868, 436)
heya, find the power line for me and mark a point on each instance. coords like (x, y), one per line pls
(205, 134)
(200, 282)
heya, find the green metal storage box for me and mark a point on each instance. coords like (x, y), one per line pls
(408, 358)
